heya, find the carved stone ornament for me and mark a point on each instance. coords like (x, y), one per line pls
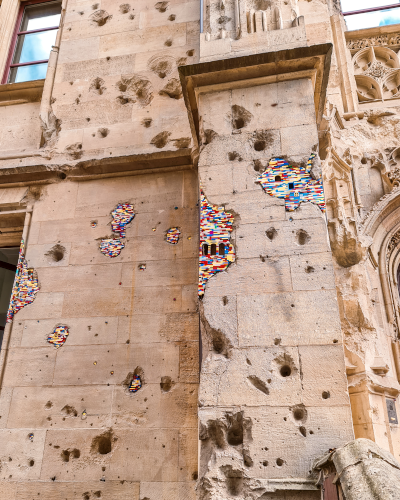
(377, 73)
(381, 40)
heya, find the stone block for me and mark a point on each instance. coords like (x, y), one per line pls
(253, 377)
(171, 327)
(288, 318)
(324, 375)
(58, 202)
(60, 407)
(168, 490)
(76, 365)
(83, 49)
(86, 70)
(21, 455)
(39, 370)
(156, 361)
(118, 44)
(276, 238)
(20, 127)
(58, 490)
(82, 331)
(154, 407)
(183, 11)
(298, 140)
(8, 490)
(312, 271)
(248, 276)
(105, 302)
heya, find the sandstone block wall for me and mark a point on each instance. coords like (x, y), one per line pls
(69, 426)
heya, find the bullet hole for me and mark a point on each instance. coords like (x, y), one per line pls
(215, 432)
(103, 132)
(247, 460)
(168, 42)
(65, 455)
(161, 6)
(265, 463)
(262, 258)
(223, 20)
(99, 18)
(234, 434)
(311, 432)
(160, 140)
(173, 89)
(181, 61)
(303, 431)
(182, 143)
(291, 305)
(234, 480)
(124, 8)
(277, 341)
(136, 89)
(162, 66)
(208, 136)
(131, 17)
(31, 463)
(326, 395)
(285, 371)
(225, 300)
(97, 86)
(271, 233)
(62, 176)
(97, 494)
(69, 411)
(310, 269)
(195, 476)
(86, 496)
(172, 17)
(56, 253)
(102, 444)
(190, 53)
(335, 341)
(74, 150)
(234, 155)
(48, 405)
(302, 237)
(299, 413)
(364, 160)
(95, 6)
(279, 462)
(260, 145)
(258, 384)
(166, 384)
(257, 165)
(262, 139)
(240, 117)
(146, 122)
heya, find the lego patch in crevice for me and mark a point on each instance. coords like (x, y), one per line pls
(58, 336)
(172, 235)
(25, 287)
(293, 183)
(122, 216)
(216, 250)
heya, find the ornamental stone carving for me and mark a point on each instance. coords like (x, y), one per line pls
(381, 41)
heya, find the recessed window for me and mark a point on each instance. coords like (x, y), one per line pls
(291, 185)
(373, 13)
(35, 34)
(278, 178)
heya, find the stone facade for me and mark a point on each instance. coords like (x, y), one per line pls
(207, 299)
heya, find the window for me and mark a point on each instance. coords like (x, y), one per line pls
(291, 185)
(36, 32)
(278, 178)
(373, 13)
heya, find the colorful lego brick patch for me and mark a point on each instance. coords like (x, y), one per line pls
(216, 251)
(292, 183)
(25, 287)
(173, 235)
(136, 384)
(122, 216)
(112, 247)
(58, 336)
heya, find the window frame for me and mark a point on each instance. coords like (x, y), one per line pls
(9, 64)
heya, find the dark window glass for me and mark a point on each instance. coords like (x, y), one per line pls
(8, 263)
(291, 185)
